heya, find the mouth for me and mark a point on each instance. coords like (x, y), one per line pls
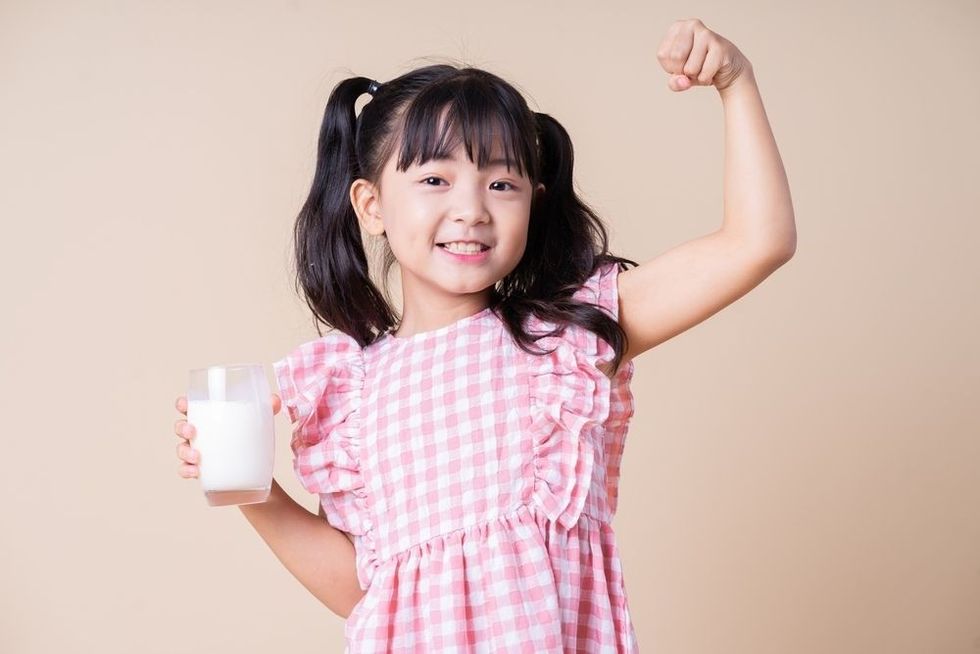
(482, 248)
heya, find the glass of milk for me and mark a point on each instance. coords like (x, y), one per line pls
(231, 410)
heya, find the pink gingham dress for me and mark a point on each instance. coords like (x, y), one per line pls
(478, 480)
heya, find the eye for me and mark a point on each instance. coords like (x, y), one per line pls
(425, 180)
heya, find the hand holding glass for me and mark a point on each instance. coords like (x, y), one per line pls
(230, 408)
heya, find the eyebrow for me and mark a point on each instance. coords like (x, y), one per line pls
(492, 162)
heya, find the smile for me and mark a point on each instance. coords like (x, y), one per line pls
(467, 255)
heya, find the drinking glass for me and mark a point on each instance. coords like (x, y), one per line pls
(230, 408)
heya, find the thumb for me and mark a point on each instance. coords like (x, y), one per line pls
(679, 83)
(276, 404)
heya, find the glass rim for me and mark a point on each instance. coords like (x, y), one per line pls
(230, 366)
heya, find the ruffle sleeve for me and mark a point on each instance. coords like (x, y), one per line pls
(570, 402)
(321, 384)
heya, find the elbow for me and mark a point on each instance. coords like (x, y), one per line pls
(779, 252)
(786, 252)
(772, 248)
(787, 247)
(780, 246)
(352, 600)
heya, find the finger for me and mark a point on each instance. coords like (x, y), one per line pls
(182, 404)
(179, 427)
(666, 44)
(680, 50)
(699, 50)
(276, 404)
(187, 470)
(679, 83)
(672, 52)
(187, 453)
(711, 66)
(187, 431)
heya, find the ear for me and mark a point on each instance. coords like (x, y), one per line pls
(539, 189)
(364, 199)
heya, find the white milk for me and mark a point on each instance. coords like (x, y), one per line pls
(236, 442)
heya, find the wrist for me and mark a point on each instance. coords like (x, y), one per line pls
(745, 80)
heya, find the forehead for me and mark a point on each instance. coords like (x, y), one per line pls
(457, 157)
(458, 134)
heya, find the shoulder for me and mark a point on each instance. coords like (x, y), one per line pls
(334, 361)
(601, 288)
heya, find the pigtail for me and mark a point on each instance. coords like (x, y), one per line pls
(570, 241)
(568, 222)
(331, 264)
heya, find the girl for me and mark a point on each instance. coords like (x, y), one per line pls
(470, 450)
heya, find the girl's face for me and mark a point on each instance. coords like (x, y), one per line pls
(442, 201)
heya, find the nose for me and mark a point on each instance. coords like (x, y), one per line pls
(470, 206)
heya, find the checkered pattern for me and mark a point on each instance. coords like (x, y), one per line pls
(478, 480)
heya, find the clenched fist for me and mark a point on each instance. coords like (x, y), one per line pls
(696, 56)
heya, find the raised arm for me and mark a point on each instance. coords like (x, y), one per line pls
(686, 284)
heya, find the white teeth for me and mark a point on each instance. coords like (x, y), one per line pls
(463, 248)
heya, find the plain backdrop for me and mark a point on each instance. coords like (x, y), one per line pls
(801, 471)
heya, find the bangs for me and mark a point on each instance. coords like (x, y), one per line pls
(444, 115)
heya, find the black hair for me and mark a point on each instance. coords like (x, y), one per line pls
(566, 240)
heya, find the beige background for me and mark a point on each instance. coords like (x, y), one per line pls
(801, 472)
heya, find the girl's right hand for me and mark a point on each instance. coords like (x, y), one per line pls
(188, 456)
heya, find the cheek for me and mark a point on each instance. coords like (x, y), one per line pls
(515, 231)
(396, 238)
(512, 243)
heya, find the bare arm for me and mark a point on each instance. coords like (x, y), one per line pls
(323, 515)
(758, 206)
(318, 555)
(690, 282)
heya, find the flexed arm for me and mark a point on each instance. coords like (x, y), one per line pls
(690, 282)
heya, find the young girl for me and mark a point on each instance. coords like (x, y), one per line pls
(470, 449)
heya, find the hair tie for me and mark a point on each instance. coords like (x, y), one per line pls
(373, 87)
